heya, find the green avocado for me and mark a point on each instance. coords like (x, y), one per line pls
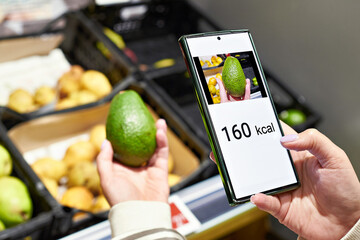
(233, 77)
(292, 117)
(131, 129)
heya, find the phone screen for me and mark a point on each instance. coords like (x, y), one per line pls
(245, 126)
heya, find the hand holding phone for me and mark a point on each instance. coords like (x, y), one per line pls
(239, 114)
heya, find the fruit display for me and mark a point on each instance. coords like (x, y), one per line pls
(131, 129)
(23, 101)
(213, 62)
(16, 205)
(73, 180)
(78, 86)
(214, 87)
(75, 87)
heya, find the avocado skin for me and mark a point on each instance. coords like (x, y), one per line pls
(131, 129)
(233, 77)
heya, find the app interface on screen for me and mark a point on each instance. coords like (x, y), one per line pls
(244, 122)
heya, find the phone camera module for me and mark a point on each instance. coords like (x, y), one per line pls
(218, 38)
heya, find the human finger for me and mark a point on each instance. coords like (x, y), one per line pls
(212, 157)
(287, 129)
(267, 203)
(104, 159)
(223, 94)
(318, 145)
(247, 89)
(161, 154)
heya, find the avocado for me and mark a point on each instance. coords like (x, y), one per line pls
(233, 77)
(131, 129)
(292, 117)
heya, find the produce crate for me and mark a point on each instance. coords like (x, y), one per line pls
(286, 98)
(80, 44)
(190, 155)
(150, 30)
(44, 206)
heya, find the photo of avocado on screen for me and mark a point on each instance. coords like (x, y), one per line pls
(230, 77)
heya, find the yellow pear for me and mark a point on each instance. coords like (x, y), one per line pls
(98, 135)
(50, 168)
(78, 197)
(82, 151)
(96, 82)
(101, 204)
(173, 179)
(171, 163)
(51, 185)
(84, 174)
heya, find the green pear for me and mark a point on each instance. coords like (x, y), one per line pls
(2, 226)
(15, 201)
(5, 162)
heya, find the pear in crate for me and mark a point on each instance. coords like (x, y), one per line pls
(84, 174)
(5, 162)
(49, 168)
(15, 202)
(81, 151)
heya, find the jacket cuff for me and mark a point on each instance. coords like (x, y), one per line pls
(354, 232)
(134, 216)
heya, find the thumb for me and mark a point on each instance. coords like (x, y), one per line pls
(104, 159)
(328, 154)
(223, 94)
(267, 203)
(247, 89)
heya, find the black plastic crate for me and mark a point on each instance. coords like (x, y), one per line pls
(285, 98)
(79, 46)
(44, 206)
(63, 220)
(151, 29)
(166, 111)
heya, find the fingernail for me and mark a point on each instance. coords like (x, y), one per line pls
(252, 198)
(289, 138)
(103, 144)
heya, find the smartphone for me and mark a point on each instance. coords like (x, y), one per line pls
(239, 114)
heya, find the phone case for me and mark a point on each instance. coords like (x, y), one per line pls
(206, 116)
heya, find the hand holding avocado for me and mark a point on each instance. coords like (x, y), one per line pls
(226, 97)
(121, 183)
(234, 86)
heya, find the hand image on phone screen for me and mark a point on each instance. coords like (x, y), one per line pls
(239, 114)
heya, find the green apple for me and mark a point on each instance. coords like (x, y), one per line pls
(15, 202)
(2, 226)
(5, 162)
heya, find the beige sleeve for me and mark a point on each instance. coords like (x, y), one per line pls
(141, 220)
